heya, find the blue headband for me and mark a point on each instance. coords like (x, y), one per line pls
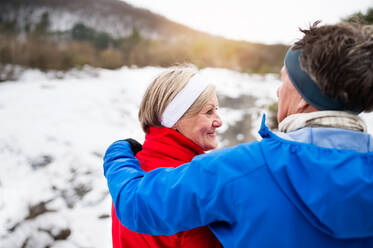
(306, 87)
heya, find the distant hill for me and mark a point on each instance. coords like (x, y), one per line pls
(61, 34)
(115, 17)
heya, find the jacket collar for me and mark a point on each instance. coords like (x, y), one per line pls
(327, 137)
(166, 146)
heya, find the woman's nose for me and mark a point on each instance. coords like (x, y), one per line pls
(217, 122)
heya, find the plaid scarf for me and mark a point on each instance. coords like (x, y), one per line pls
(333, 119)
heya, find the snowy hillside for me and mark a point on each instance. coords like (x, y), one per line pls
(53, 133)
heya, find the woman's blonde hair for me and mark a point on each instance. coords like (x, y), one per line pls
(163, 89)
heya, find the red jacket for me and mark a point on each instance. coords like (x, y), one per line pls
(164, 147)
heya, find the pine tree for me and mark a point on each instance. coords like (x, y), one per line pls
(362, 18)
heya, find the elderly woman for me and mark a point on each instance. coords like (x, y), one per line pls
(179, 115)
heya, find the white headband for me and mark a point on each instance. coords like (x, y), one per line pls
(184, 99)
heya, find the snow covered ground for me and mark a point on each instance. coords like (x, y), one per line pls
(54, 132)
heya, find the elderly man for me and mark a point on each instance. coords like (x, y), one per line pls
(309, 185)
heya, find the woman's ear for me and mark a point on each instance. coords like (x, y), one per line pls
(174, 127)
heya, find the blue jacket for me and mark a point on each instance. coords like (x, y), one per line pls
(309, 188)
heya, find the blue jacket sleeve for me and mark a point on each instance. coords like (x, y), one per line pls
(167, 200)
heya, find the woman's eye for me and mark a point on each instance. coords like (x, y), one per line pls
(209, 112)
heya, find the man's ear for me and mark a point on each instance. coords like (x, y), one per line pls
(302, 105)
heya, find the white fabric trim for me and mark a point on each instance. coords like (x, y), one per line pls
(184, 99)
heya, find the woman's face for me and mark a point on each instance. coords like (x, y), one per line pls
(201, 127)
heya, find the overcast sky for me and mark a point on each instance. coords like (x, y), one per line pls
(268, 21)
